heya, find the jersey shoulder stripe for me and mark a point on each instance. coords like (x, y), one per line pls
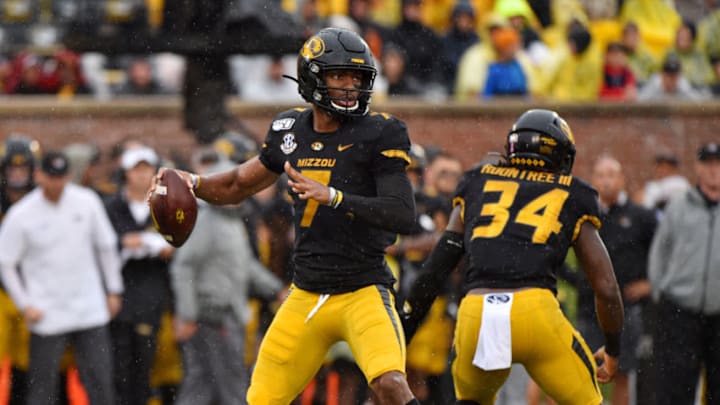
(397, 153)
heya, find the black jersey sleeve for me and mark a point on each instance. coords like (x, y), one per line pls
(392, 146)
(461, 192)
(393, 208)
(271, 154)
(587, 206)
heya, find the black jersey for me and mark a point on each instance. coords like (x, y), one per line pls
(334, 252)
(627, 232)
(519, 224)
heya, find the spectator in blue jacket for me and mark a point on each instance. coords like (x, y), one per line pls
(506, 76)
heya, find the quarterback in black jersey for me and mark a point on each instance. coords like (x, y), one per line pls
(515, 221)
(346, 169)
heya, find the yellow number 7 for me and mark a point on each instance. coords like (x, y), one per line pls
(311, 206)
(541, 213)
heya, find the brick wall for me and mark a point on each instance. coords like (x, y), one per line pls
(631, 132)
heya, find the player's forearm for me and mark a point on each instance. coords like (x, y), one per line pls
(610, 314)
(221, 188)
(393, 208)
(391, 213)
(423, 242)
(442, 260)
(432, 277)
(233, 186)
(608, 301)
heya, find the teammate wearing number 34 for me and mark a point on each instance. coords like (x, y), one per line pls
(515, 221)
(346, 169)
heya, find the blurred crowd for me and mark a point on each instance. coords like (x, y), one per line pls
(191, 318)
(564, 50)
(192, 315)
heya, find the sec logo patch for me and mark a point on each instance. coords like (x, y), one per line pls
(288, 145)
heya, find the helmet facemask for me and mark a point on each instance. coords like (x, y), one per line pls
(336, 49)
(335, 103)
(17, 163)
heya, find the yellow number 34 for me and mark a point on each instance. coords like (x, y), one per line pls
(542, 213)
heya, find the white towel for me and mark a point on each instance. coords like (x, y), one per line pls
(494, 348)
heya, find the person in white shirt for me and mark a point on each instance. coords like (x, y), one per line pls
(667, 183)
(144, 254)
(59, 263)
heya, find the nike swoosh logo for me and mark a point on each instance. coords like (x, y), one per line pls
(345, 147)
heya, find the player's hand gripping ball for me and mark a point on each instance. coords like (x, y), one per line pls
(173, 208)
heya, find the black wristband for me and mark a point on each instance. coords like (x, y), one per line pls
(612, 344)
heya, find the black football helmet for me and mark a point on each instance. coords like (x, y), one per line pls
(332, 49)
(18, 150)
(541, 140)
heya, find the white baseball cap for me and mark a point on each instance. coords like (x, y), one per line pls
(132, 157)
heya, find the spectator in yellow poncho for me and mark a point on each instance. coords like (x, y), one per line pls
(578, 72)
(658, 23)
(640, 59)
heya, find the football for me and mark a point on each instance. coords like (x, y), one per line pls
(173, 208)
